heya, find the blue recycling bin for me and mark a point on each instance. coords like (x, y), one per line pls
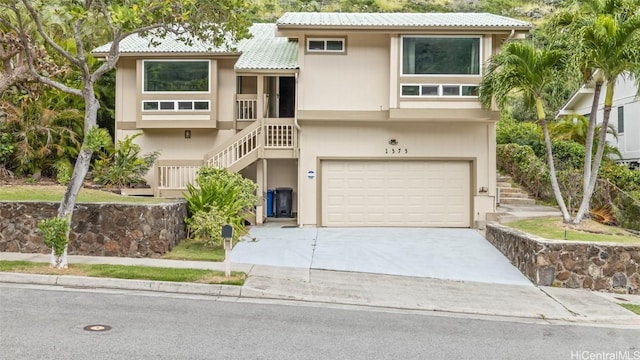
(269, 202)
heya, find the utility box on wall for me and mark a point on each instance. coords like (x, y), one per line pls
(283, 202)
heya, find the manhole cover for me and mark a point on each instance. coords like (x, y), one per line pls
(97, 328)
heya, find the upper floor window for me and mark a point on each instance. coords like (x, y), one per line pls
(176, 76)
(620, 119)
(335, 45)
(443, 55)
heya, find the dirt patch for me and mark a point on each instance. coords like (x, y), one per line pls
(594, 227)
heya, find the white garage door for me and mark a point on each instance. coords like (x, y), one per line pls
(396, 193)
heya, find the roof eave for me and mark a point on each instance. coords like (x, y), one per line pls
(387, 28)
(171, 54)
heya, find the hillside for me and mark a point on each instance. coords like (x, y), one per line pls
(270, 10)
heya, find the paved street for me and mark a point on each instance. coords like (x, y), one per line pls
(47, 323)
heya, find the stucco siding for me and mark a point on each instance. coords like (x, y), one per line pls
(455, 142)
(226, 90)
(357, 80)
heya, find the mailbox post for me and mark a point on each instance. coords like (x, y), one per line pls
(227, 239)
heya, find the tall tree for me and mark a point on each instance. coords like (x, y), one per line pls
(214, 22)
(605, 34)
(523, 67)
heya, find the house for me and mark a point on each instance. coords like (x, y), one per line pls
(625, 106)
(371, 119)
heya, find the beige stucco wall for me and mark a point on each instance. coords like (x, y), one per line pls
(455, 141)
(226, 90)
(357, 80)
(126, 91)
(172, 144)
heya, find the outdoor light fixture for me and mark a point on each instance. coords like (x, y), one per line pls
(187, 134)
(483, 189)
(393, 142)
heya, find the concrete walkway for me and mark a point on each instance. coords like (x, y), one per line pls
(512, 302)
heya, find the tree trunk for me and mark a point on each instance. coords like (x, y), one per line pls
(80, 170)
(552, 169)
(588, 144)
(591, 185)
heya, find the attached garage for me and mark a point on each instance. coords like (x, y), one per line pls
(413, 193)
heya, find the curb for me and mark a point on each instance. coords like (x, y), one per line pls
(123, 284)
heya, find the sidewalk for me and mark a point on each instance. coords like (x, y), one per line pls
(538, 304)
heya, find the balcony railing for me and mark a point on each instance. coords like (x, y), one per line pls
(174, 174)
(246, 107)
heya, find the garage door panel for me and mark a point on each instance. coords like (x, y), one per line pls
(396, 193)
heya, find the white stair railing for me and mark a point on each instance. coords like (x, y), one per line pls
(235, 152)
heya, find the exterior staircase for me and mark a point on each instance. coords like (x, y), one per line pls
(511, 194)
(262, 139)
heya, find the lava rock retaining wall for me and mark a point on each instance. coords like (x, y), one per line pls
(132, 230)
(571, 264)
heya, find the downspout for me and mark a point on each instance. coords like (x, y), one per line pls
(295, 122)
(295, 108)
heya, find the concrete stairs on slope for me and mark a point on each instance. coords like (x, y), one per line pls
(510, 194)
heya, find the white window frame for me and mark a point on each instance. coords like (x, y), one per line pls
(480, 52)
(175, 105)
(178, 92)
(440, 91)
(325, 40)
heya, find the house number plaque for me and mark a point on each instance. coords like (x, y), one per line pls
(396, 151)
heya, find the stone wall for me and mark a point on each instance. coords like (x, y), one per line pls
(571, 264)
(132, 230)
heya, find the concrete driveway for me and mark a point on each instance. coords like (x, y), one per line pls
(452, 254)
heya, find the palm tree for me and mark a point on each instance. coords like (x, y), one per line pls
(522, 67)
(606, 35)
(40, 135)
(575, 127)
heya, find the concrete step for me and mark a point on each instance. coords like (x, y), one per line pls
(503, 184)
(511, 190)
(517, 201)
(504, 178)
(520, 195)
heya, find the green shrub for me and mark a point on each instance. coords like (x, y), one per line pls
(64, 171)
(123, 166)
(54, 233)
(568, 155)
(509, 131)
(626, 179)
(220, 198)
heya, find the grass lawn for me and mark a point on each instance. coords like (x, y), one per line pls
(54, 193)
(127, 272)
(632, 307)
(195, 250)
(589, 230)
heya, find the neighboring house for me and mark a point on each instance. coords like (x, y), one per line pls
(623, 117)
(371, 119)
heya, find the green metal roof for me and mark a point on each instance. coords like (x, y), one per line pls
(266, 51)
(170, 44)
(399, 20)
(263, 51)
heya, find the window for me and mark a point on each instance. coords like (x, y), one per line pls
(432, 90)
(426, 55)
(325, 45)
(175, 105)
(620, 119)
(176, 76)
